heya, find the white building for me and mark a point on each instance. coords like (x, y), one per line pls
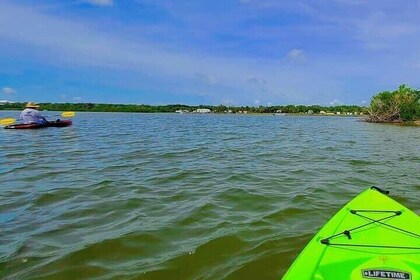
(203, 111)
(182, 111)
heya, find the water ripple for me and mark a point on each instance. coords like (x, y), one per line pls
(169, 196)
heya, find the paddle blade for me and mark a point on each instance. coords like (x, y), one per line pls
(68, 114)
(7, 121)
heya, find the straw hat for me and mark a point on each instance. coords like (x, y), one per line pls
(32, 105)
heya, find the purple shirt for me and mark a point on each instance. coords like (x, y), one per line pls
(30, 115)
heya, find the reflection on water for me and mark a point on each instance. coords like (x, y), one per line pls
(165, 196)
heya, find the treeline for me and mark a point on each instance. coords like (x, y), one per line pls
(98, 107)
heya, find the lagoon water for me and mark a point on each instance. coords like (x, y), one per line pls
(167, 196)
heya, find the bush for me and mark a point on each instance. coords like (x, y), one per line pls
(397, 106)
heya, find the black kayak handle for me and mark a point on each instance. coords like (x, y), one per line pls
(379, 190)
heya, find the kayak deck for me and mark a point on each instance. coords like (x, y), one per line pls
(62, 123)
(372, 237)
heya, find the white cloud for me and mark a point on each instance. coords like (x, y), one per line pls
(257, 101)
(350, 2)
(207, 79)
(8, 90)
(335, 102)
(296, 55)
(227, 102)
(101, 2)
(77, 98)
(255, 80)
(83, 45)
(77, 43)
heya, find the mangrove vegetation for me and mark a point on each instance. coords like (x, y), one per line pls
(399, 106)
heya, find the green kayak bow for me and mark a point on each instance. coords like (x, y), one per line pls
(372, 237)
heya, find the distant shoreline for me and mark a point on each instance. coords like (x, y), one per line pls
(203, 114)
(339, 110)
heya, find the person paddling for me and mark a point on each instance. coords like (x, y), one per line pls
(31, 115)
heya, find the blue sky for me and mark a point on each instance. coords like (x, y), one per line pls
(231, 52)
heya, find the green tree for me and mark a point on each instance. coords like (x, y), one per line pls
(396, 106)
